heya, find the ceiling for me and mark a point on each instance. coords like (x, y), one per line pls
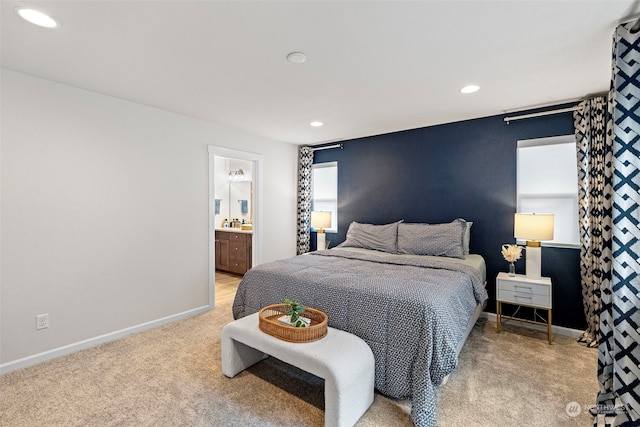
(371, 68)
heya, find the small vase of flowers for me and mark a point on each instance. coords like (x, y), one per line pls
(511, 253)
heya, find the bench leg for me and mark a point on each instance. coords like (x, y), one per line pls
(236, 357)
(345, 402)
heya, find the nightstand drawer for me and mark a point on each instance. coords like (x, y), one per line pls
(524, 298)
(523, 288)
(522, 291)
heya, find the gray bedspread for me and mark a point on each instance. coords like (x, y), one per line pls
(411, 315)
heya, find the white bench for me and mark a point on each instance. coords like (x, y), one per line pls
(342, 359)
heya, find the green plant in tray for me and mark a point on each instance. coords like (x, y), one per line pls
(294, 309)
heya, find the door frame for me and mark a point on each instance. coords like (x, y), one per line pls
(257, 159)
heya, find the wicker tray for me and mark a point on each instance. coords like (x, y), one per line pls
(268, 323)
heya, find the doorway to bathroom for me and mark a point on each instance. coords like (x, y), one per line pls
(234, 219)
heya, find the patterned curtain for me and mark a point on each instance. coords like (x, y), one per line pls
(305, 162)
(618, 349)
(595, 167)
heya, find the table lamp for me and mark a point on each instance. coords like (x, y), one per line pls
(321, 220)
(533, 228)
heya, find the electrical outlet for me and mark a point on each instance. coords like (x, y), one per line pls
(42, 321)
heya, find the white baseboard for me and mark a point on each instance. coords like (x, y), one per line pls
(560, 330)
(92, 342)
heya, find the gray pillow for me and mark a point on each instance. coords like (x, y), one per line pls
(369, 236)
(432, 239)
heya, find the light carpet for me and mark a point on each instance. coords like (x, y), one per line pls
(171, 376)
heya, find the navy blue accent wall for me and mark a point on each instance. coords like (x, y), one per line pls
(457, 170)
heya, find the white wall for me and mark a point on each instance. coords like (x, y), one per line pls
(105, 213)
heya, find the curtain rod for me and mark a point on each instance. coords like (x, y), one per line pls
(327, 147)
(542, 113)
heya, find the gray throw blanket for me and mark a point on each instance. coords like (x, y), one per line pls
(412, 315)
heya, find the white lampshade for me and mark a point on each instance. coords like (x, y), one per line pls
(533, 226)
(320, 219)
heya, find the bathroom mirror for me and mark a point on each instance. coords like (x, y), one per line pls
(240, 195)
(233, 192)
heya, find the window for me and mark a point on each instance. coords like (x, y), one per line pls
(324, 191)
(547, 182)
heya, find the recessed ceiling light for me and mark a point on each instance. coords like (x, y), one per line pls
(316, 124)
(36, 17)
(470, 89)
(296, 57)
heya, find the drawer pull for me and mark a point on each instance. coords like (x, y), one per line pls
(523, 287)
(523, 296)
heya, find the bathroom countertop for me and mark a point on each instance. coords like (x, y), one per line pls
(234, 230)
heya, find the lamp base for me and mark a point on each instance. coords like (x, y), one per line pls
(534, 260)
(321, 241)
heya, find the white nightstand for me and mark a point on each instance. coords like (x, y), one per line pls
(518, 290)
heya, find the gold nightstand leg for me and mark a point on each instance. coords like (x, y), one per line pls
(549, 326)
(498, 316)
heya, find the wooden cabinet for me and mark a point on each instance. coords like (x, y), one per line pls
(233, 251)
(222, 253)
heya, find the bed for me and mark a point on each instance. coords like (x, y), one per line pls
(414, 310)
